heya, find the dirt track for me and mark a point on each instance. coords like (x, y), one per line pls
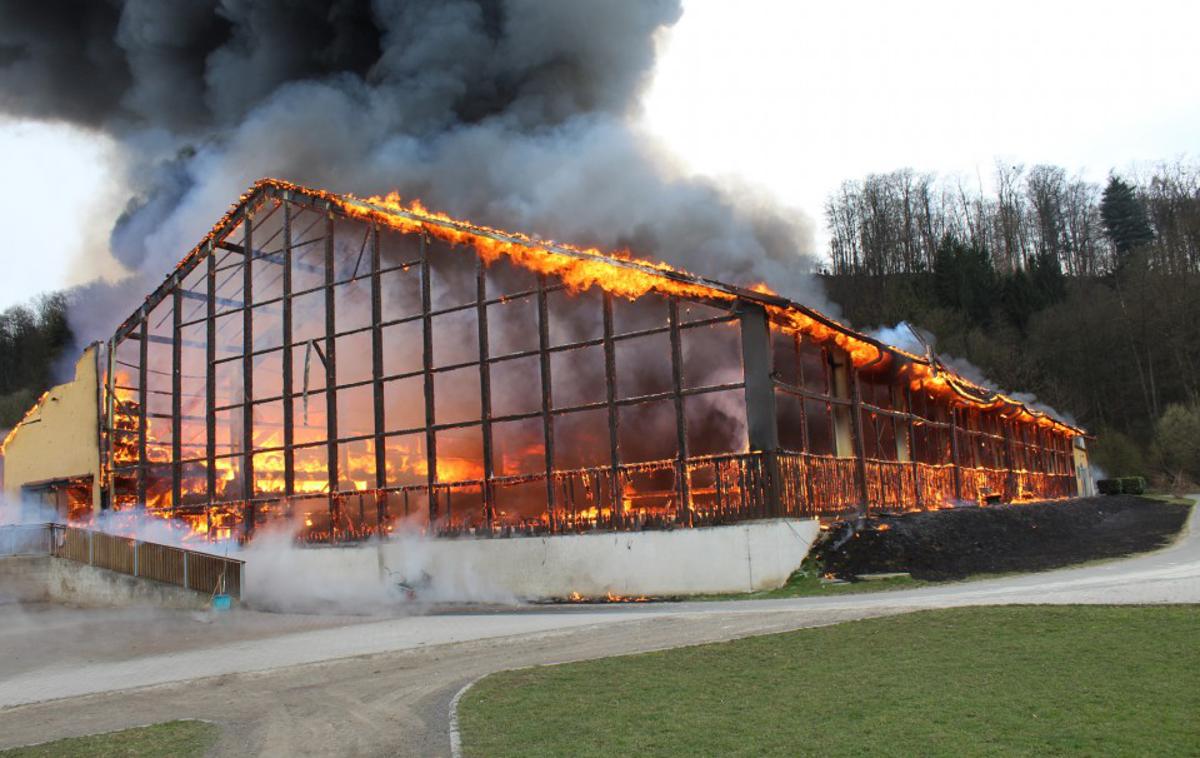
(395, 702)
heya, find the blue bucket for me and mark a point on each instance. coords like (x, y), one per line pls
(222, 602)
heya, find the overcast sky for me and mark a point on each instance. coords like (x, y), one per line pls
(790, 97)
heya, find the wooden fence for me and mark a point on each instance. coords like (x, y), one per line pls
(201, 572)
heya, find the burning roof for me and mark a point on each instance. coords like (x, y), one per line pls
(621, 274)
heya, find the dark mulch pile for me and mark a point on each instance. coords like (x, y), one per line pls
(952, 544)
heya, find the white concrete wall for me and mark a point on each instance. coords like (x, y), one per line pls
(42, 578)
(741, 558)
(24, 579)
(88, 586)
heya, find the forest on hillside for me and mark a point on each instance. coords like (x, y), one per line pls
(1084, 294)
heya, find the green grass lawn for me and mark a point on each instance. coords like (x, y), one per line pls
(1017, 680)
(177, 739)
(1172, 499)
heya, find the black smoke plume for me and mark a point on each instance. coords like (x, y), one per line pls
(516, 113)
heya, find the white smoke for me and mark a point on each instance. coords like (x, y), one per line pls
(904, 336)
(914, 339)
(408, 572)
(21, 511)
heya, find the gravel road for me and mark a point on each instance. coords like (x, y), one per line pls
(365, 686)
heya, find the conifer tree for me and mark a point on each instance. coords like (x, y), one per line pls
(1124, 218)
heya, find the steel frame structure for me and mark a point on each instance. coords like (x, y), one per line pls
(851, 446)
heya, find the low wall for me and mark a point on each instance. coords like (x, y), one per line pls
(740, 558)
(24, 579)
(44, 578)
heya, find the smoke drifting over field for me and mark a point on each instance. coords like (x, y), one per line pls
(518, 114)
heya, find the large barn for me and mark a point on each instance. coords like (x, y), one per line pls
(348, 365)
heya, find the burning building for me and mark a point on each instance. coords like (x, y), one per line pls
(344, 364)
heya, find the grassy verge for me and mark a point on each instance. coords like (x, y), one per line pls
(974, 681)
(1172, 499)
(177, 739)
(807, 582)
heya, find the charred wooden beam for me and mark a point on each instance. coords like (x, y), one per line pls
(176, 399)
(157, 339)
(485, 393)
(683, 513)
(427, 367)
(143, 395)
(614, 417)
(275, 258)
(377, 380)
(248, 384)
(331, 415)
(547, 395)
(289, 438)
(210, 383)
(222, 301)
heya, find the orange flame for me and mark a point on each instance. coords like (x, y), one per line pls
(620, 274)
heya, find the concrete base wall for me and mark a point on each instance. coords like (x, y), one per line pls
(48, 579)
(741, 558)
(24, 579)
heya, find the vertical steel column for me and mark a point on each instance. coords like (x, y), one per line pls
(331, 424)
(210, 384)
(427, 367)
(377, 376)
(485, 394)
(614, 417)
(683, 513)
(547, 396)
(954, 458)
(143, 396)
(860, 452)
(248, 380)
(176, 394)
(289, 416)
(761, 420)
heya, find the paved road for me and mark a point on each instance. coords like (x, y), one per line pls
(383, 686)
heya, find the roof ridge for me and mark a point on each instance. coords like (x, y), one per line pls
(927, 372)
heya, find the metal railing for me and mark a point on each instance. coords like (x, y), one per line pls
(200, 572)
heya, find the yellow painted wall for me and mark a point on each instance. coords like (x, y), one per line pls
(1083, 474)
(58, 436)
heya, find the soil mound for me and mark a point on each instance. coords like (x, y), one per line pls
(955, 543)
